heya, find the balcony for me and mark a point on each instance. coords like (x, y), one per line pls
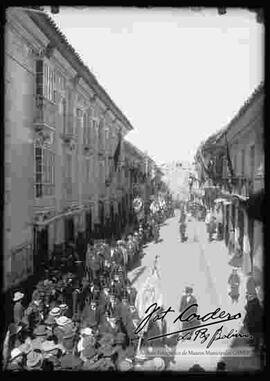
(45, 113)
(240, 185)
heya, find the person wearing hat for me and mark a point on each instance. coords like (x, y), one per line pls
(18, 310)
(68, 339)
(111, 324)
(15, 362)
(125, 365)
(69, 361)
(234, 282)
(91, 314)
(117, 287)
(33, 313)
(124, 310)
(10, 342)
(34, 361)
(88, 356)
(253, 321)
(186, 301)
(86, 338)
(104, 298)
(76, 301)
(113, 306)
(131, 294)
(40, 335)
(52, 352)
(63, 309)
(157, 365)
(125, 355)
(26, 346)
(63, 325)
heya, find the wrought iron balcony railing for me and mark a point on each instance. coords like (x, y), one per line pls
(45, 113)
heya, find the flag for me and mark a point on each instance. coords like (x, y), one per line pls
(229, 162)
(148, 294)
(203, 164)
(117, 151)
(115, 160)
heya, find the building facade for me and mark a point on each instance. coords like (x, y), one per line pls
(63, 134)
(176, 176)
(231, 162)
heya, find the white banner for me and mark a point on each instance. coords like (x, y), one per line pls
(148, 294)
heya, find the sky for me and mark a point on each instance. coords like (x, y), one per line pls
(178, 75)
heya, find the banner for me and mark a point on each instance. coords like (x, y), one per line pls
(115, 161)
(148, 294)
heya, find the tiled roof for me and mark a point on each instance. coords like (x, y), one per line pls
(36, 17)
(216, 136)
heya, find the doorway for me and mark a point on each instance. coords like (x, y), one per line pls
(41, 252)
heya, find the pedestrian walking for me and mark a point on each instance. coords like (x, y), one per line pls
(234, 282)
(188, 300)
(18, 310)
(253, 320)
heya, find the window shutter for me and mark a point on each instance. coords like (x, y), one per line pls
(39, 77)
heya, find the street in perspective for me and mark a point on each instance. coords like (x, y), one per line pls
(134, 189)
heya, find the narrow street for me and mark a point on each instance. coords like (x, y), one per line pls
(204, 266)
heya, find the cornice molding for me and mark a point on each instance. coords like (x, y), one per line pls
(26, 29)
(54, 34)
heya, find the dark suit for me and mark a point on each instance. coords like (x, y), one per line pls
(185, 303)
(91, 317)
(18, 312)
(132, 296)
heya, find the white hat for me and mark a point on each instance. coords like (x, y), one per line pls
(159, 363)
(63, 320)
(63, 306)
(55, 312)
(15, 353)
(18, 296)
(86, 331)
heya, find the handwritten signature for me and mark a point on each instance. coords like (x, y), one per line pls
(198, 331)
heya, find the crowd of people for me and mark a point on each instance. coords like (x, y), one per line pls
(82, 313)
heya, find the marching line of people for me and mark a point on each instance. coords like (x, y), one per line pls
(82, 315)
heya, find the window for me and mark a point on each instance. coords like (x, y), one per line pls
(243, 162)
(86, 129)
(63, 115)
(101, 173)
(252, 160)
(235, 164)
(38, 170)
(44, 171)
(68, 175)
(100, 130)
(87, 169)
(94, 130)
(49, 82)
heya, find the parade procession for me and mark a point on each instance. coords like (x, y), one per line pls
(83, 314)
(133, 231)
